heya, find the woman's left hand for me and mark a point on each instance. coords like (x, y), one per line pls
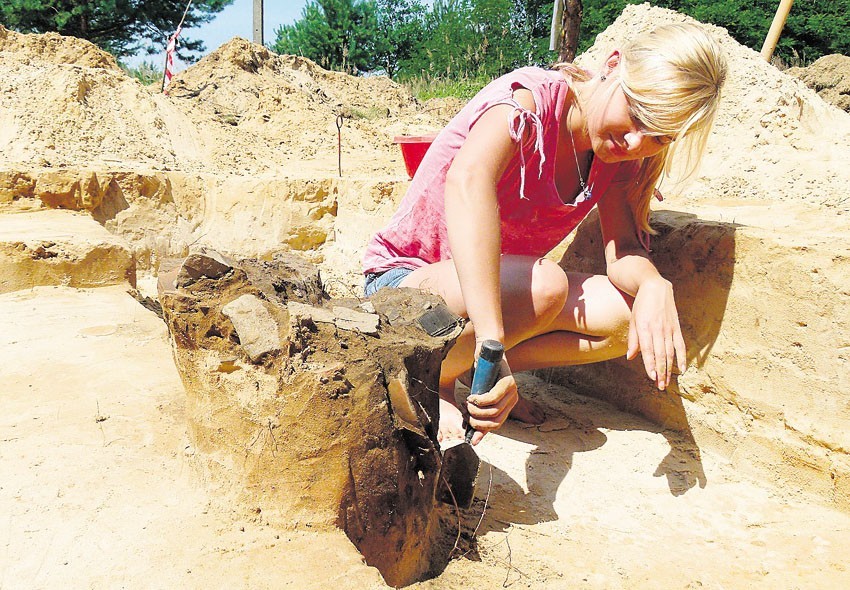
(654, 330)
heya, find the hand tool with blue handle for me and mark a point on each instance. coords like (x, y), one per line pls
(486, 373)
(459, 469)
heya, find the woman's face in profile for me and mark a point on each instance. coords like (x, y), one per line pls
(615, 135)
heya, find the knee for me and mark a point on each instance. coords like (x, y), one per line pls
(549, 289)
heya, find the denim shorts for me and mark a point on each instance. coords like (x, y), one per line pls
(388, 278)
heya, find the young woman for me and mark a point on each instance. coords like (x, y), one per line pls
(515, 172)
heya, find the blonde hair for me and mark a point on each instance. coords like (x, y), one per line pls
(672, 78)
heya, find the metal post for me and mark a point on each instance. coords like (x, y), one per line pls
(557, 24)
(566, 21)
(258, 22)
(776, 29)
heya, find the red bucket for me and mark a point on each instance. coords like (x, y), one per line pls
(413, 148)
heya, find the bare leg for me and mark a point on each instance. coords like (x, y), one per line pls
(592, 326)
(555, 319)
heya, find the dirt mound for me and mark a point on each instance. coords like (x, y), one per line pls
(64, 104)
(240, 110)
(263, 112)
(774, 137)
(56, 49)
(829, 77)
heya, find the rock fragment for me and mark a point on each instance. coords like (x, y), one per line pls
(204, 264)
(255, 326)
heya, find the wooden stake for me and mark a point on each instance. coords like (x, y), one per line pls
(776, 29)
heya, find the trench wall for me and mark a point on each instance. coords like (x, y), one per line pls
(765, 315)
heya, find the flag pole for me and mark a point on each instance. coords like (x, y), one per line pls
(171, 46)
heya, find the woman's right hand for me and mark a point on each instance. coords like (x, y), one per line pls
(488, 411)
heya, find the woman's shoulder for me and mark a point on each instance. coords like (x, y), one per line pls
(534, 76)
(546, 86)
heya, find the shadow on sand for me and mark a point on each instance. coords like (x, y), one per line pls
(698, 256)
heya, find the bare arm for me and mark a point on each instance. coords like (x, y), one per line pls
(472, 215)
(654, 328)
(474, 233)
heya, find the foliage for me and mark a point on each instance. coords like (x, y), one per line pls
(121, 27)
(813, 29)
(403, 38)
(471, 38)
(146, 72)
(402, 32)
(454, 44)
(337, 34)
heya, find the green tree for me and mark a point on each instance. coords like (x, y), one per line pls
(336, 34)
(470, 38)
(402, 30)
(813, 29)
(121, 27)
(533, 21)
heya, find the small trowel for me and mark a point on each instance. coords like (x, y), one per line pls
(459, 469)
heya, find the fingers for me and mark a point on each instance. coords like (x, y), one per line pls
(662, 347)
(477, 437)
(655, 332)
(488, 411)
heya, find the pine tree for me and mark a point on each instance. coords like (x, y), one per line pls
(121, 27)
(336, 34)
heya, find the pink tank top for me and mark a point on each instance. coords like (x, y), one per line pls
(534, 218)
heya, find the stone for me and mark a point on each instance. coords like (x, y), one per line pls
(255, 326)
(309, 313)
(203, 264)
(349, 319)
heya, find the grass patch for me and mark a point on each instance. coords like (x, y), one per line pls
(147, 73)
(425, 87)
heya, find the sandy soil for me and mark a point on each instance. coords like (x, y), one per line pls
(99, 490)
(99, 485)
(829, 76)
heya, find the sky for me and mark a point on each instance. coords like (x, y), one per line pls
(237, 20)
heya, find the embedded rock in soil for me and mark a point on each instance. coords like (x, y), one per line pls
(289, 406)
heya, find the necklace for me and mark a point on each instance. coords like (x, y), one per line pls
(584, 195)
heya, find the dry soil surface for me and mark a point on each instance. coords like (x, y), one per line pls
(98, 485)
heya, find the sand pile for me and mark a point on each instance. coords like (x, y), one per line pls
(56, 49)
(240, 110)
(65, 103)
(262, 112)
(774, 140)
(829, 77)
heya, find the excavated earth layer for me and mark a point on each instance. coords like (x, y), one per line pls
(737, 477)
(311, 408)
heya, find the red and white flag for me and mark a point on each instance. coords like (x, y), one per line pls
(171, 48)
(169, 58)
